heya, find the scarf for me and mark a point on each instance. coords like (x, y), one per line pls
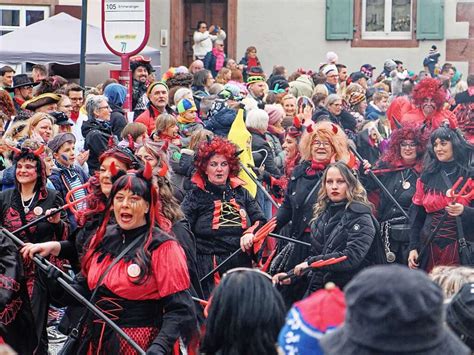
(219, 58)
(185, 120)
(70, 172)
(277, 131)
(331, 88)
(170, 139)
(316, 166)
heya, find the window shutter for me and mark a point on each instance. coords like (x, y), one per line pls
(339, 19)
(430, 19)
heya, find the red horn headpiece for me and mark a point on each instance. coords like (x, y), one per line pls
(39, 151)
(148, 171)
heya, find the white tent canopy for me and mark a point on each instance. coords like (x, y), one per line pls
(57, 39)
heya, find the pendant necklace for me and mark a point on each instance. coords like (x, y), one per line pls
(406, 184)
(26, 208)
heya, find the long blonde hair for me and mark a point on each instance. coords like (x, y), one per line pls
(451, 278)
(37, 118)
(333, 133)
(355, 191)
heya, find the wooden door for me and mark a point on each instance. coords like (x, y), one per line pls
(214, 12)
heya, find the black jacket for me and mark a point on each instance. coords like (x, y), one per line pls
(342, 231)
(345, 120)
(263, 154)
(182, 232)
(118, 120)
(393, 181)
(221, 121)
(366, 149)
(96, 138)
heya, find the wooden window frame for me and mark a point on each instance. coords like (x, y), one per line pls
(358, 41)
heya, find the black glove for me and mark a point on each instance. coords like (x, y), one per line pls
(155, 349)
(277, 191)
(53, 273)
(266, 178)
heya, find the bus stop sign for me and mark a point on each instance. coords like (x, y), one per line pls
(125, 25)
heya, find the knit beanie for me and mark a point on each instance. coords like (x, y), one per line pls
(329, 68)
(308, 320)
(153, 84)
(356, 98)
(332, 57)
(275, 114)
(254, 79)
(185, 105)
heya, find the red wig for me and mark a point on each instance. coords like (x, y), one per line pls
(429, 88)
(217, 146)
(392, 156)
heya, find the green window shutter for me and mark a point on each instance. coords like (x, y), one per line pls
(339, 19)
(430, 19)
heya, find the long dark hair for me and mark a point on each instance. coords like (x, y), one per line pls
(462, 150)
(245, 316)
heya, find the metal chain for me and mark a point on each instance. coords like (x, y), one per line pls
(385, 233)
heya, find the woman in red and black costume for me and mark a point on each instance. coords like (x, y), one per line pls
(220, 210)
(16, 318)
(398, 169)
(89, 220)
(29, 200)
(321, 144)
(145, 293)
(448, 159)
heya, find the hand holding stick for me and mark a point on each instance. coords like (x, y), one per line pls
(70, 205)
(315, 265)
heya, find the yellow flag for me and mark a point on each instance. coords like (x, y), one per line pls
(240, 136)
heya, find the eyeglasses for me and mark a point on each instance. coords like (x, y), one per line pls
(336, 105)
(332, 76)
(321, 144)
(245, 269)
(408, 145)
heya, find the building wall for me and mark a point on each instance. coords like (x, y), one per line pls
(292, 33)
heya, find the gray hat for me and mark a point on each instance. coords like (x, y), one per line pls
(392, 309)
(59, 140)
(389, 65)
